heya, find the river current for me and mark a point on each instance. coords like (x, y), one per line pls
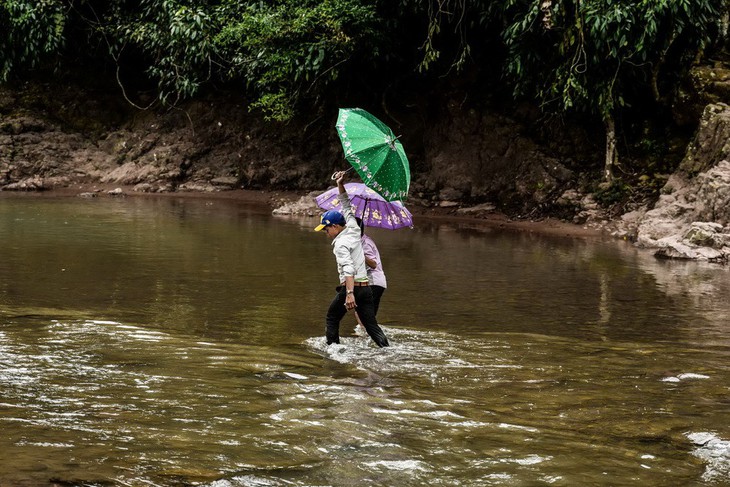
(170, 341)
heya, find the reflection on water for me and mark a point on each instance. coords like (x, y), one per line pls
(173, 342)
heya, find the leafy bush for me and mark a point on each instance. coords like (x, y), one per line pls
(282, 49)
(595, 56)
(30, 32)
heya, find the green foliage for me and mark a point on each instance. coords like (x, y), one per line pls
(595, 56)
(284, 48)
(279, 50)
(175, 36)
(30, 31)
(453, 26)
(278, 106)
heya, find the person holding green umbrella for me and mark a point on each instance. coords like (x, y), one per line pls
(354, 291)
(375, 153)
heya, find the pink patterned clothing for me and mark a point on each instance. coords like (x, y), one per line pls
(375, 276)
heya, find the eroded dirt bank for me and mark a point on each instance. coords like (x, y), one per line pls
(470, 162)
(460, 154)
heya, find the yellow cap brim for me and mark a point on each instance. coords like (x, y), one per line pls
(319, 227)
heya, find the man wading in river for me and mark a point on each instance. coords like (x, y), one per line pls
(353, 291)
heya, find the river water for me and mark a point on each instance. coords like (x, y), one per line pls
(167, 341)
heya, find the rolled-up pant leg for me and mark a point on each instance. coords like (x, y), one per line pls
(366, 312)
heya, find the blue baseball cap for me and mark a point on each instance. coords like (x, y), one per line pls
(331, 217)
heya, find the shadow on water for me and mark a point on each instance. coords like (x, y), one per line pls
(174, 342)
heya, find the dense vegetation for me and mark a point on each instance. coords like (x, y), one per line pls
(603, 58)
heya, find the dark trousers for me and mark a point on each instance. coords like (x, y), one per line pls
(377, 294)
(365, 310)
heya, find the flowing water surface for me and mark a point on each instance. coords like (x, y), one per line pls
(167, 341)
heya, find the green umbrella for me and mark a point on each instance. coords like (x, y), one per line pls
(375, 153)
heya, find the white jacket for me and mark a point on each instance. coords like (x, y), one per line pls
(347, 246)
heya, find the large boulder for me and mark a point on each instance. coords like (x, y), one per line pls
(711, 143)
(691, 219)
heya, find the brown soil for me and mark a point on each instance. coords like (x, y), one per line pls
(458, 154)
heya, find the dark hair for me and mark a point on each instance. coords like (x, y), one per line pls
(360, 224)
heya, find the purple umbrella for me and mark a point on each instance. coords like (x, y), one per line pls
(368, 205)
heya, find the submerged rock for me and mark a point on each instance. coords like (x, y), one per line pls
(305, 205)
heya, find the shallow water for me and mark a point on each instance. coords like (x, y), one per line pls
(176, 342)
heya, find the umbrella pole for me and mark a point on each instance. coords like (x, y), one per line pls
(357, 317)
(364, 210)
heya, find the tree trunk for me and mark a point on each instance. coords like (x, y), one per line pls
(611, 154)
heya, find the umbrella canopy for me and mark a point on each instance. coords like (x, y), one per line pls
(375, 153)
(368, 205)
